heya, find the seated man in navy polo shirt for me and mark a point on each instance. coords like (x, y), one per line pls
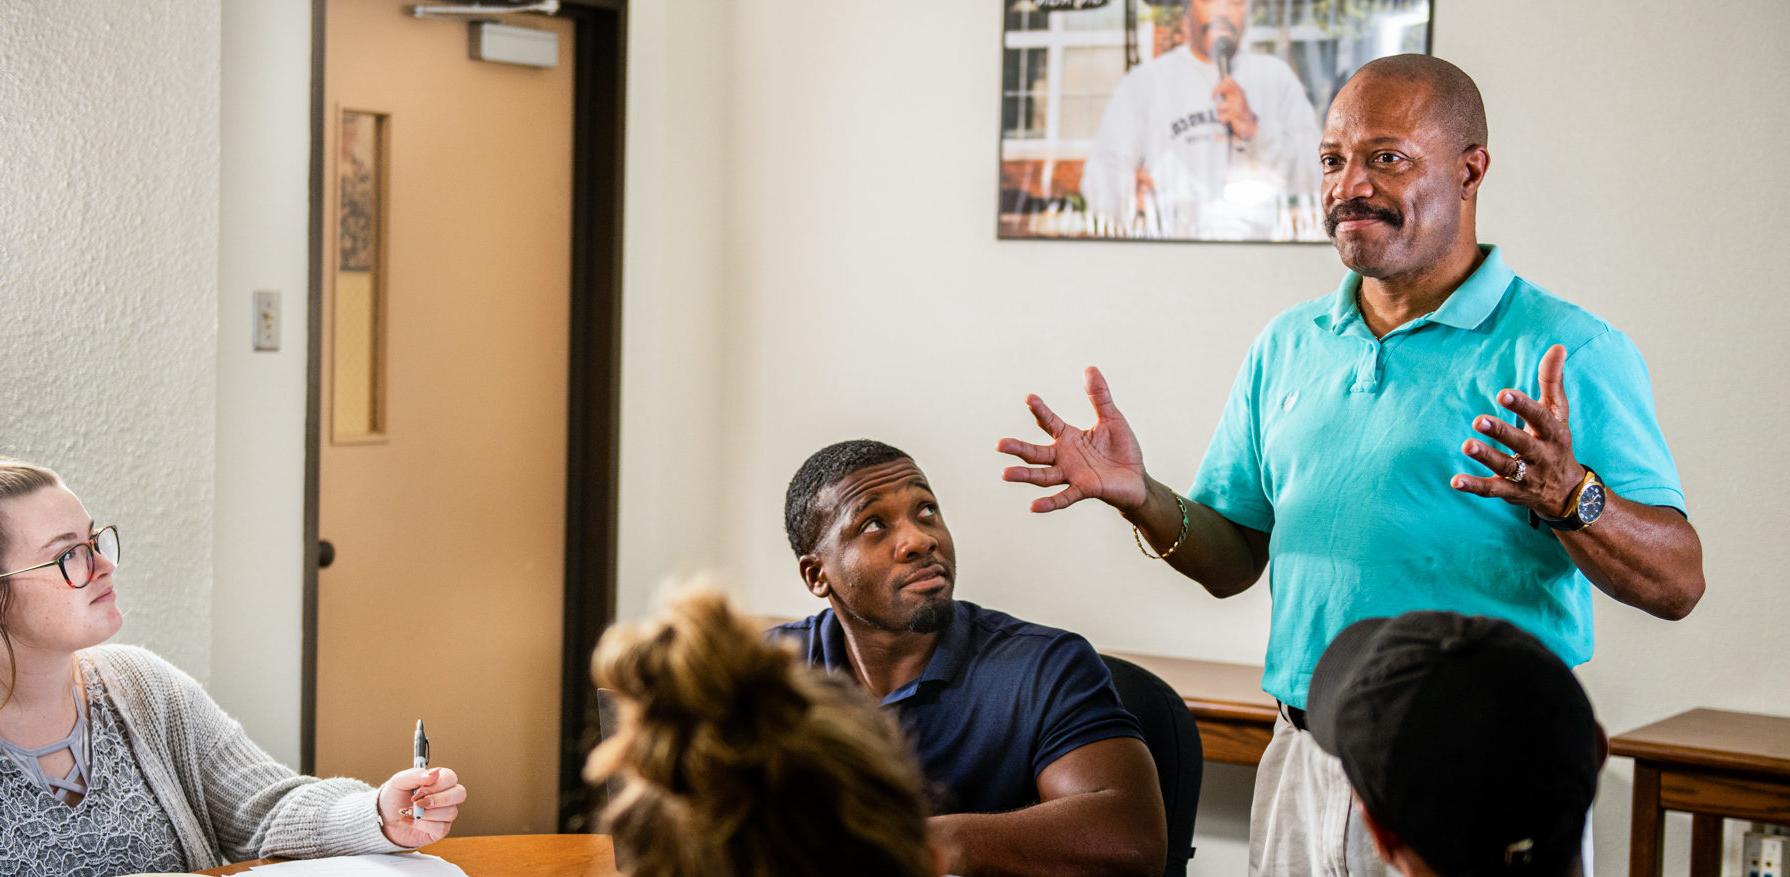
(1035, 767)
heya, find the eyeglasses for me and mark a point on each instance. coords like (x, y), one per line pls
(76, 563)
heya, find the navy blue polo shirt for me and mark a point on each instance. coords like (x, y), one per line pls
(1000, 701)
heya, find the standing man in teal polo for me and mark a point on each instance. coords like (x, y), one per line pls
(1438, 433)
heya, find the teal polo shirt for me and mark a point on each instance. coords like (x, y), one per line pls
(1341, 447)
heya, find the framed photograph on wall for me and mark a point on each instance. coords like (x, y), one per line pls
(1179, 120)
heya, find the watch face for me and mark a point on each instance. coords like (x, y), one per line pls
(1591, 502)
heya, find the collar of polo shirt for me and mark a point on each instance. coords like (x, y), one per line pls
(1466, 308)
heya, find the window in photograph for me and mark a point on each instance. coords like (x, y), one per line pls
(1024, 97)
(1089, 75)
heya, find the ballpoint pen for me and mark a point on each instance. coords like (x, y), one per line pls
(419, 758)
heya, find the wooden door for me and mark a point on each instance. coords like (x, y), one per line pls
(443, 430)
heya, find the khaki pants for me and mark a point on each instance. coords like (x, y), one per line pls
(1303, 819)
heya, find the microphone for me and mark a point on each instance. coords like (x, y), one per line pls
(1223, 47)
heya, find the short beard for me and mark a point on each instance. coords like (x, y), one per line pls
(932, 617)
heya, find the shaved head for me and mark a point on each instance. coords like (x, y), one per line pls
(1403, 156)
(1454, 104)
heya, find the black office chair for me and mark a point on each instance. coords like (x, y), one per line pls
(607, 725)
(608, 722)
(1174, 743)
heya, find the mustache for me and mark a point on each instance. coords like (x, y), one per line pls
(1211, 31)
(1219, 24)
(1360, 209)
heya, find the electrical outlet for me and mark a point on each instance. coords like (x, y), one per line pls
(1765, 854)
(267, 319)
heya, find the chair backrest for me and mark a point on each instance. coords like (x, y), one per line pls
(608, 722)
(606, 725)
(1174, 743)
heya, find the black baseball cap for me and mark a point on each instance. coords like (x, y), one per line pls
(1464, 736)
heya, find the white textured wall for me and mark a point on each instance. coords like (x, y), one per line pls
(1635, 170)
(264, 211)
(108, 284)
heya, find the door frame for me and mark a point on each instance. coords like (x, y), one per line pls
(593, 412)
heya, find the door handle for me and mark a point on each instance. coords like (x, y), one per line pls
(326, 554)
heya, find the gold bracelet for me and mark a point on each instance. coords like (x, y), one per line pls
(1139, 539)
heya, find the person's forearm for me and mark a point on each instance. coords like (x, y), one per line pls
(1646, 556)
(1090, 834)
(1215, 552)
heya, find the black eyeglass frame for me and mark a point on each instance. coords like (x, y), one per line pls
(91, 543)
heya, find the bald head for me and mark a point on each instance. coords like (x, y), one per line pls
(1403, 156)
(1454, 104)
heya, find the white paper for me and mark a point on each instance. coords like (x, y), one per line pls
(379, 865)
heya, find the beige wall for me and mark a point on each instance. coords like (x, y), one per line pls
(861, 292)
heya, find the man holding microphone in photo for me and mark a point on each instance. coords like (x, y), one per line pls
(1438, 433)
(1183, 128)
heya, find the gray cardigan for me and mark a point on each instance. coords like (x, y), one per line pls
(228, 799)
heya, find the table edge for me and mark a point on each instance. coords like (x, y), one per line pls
(1668, 755)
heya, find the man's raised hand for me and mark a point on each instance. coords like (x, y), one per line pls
(1103, 463)
(1233, 109)
(1548, 476)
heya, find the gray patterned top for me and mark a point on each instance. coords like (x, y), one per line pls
(226, 798)
(118, 828)
(70, 787)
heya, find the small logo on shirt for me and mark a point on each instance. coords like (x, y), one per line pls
(1191, 121)
(1291, 400)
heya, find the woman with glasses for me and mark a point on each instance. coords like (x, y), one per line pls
(112, 761)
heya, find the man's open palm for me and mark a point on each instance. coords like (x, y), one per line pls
(1103, 463)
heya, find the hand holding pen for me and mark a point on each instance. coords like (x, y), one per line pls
(418, 806)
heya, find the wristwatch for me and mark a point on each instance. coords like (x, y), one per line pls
(1586, 507)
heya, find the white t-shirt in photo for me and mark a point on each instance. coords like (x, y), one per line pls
(1207, 183)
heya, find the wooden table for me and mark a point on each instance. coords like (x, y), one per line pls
(1235, 717)
(534, 855)
(1712, 764)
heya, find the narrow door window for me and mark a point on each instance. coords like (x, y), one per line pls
(358, 334)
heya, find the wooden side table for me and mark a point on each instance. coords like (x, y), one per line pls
(1712, 764)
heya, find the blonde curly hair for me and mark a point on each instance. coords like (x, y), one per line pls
(735, 759)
